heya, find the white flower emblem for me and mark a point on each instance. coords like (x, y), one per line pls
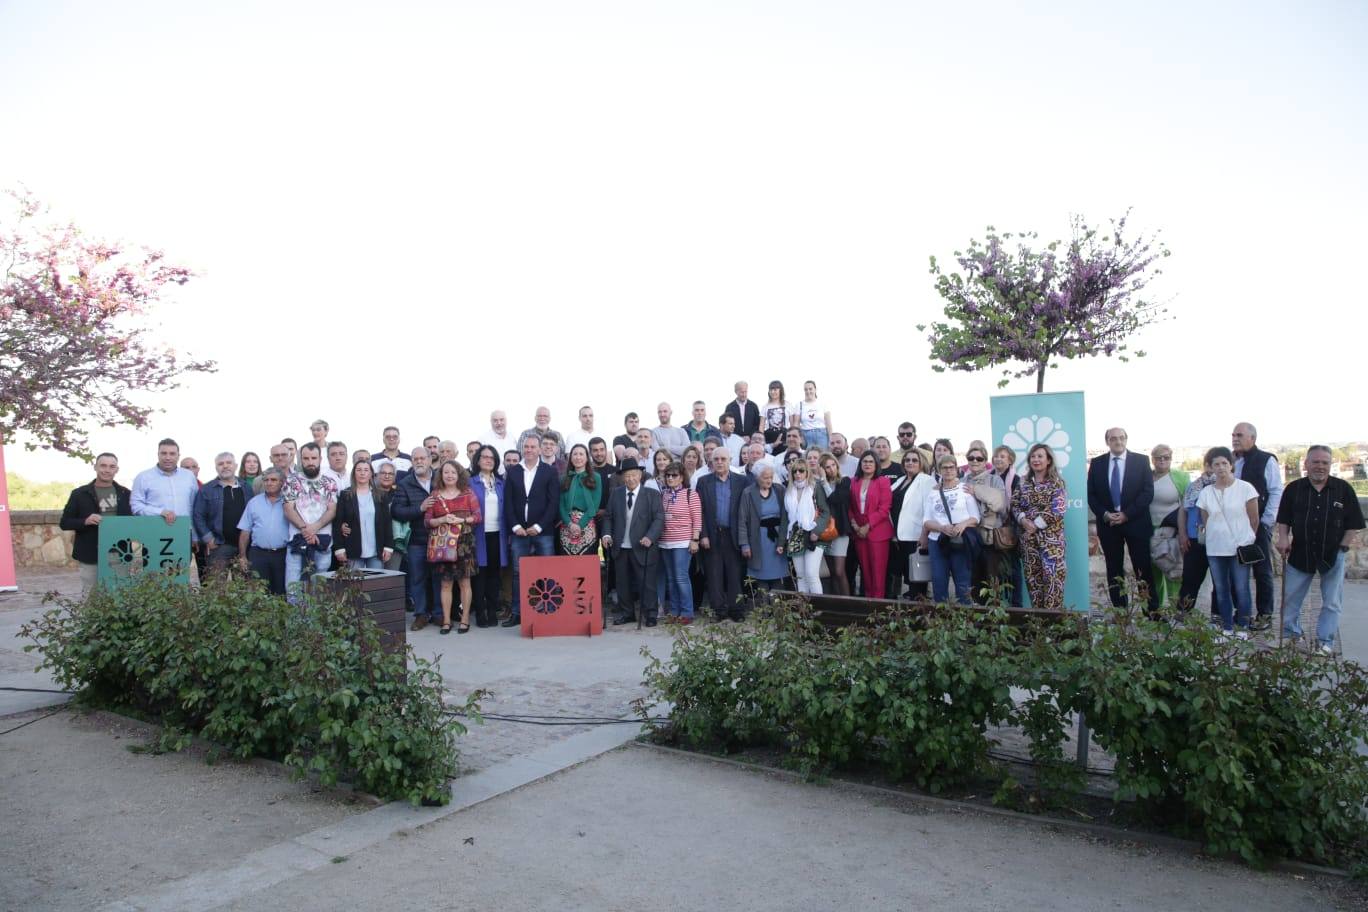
(1027, 432)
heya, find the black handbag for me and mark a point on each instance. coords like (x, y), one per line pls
(953, 542)
(1249, 554)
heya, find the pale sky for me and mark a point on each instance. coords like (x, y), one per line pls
(415, 213)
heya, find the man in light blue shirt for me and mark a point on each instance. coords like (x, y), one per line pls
(165, 490)
(266, 532)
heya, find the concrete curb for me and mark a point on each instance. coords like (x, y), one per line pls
(1096, 830)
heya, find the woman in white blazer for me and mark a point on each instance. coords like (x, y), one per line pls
(909, 499)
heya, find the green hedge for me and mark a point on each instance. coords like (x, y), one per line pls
(1255, 752)
(305, 684)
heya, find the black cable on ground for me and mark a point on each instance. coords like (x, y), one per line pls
(555, 720)
(36, 690)
(45, 715)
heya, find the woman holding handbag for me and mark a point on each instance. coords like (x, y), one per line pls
(870, 502)
(951, 515)
(910, 522)
(1166, 557)
(1038, 506)
(994, 575)
(580, 496)
(808, 516)
(837, 491)
(1230, 514)
(452, 518)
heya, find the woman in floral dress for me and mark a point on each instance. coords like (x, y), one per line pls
(1038, 505)
(456, 509)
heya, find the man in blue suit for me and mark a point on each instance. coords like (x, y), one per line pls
(531, 506)
(719, 493)
(1120, 488)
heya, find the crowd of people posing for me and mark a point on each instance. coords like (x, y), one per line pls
(768, 497)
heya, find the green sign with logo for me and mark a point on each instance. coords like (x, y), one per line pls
(132, 545)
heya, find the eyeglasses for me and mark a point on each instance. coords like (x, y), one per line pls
(976, 459)
(905, 433)
(671, 474)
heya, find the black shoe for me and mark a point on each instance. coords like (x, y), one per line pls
(650, 622)
(1261, 622)
(621, 619)
(514, 621)
(481, 621)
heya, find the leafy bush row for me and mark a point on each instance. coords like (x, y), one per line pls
(1255, 752)
(307, 684)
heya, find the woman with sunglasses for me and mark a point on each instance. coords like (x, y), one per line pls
(679, 541)
(805, 502)
(994, 576)
(837, 491)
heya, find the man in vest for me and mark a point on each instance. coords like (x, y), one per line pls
(1261, 470)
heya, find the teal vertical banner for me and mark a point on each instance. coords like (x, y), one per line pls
(131, 545)
(1056, 420)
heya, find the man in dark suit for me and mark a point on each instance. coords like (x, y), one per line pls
(719, 494)
(635, 521)
(746, 413)
(531, 505)
(1120, 488)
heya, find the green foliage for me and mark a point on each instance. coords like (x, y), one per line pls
(37, 495)
(1254, 751)
(306, 684)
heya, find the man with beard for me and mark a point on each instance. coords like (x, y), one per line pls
(310, 504)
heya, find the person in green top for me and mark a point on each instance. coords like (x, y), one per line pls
(385, 477)
(581, 493)
(1169, 487)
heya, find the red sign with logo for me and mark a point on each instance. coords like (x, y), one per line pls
(561, 596)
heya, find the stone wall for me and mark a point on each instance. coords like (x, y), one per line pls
(38, 541)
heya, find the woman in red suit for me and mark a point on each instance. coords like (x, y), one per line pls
(870, 527)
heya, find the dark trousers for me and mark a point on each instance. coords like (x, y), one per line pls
(1263, 573)
(1115, 541)
(896, 575)
(636, 582)
(1195, 566)
(487, 585)
(724, 573)
(698, 580)
(270, 566)
(424, 589)
(221, 556)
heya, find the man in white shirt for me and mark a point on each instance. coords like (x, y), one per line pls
(336, 469)
(848, 463)
(668, 437)
(497, 435)
(584, 433)
(730, 439)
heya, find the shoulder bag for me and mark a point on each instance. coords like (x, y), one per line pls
(953, 542)
(443, 540)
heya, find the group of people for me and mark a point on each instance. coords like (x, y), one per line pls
(768, 497)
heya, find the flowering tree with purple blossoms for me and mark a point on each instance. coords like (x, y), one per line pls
(1015, 305)
(73, 344)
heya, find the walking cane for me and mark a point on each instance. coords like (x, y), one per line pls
(1282, 603)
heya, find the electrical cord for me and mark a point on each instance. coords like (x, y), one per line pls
(554, 720)
(45, 715)
(35, 690)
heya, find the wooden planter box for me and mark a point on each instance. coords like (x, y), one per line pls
(379, 595)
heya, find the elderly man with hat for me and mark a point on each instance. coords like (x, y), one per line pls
(635, 521)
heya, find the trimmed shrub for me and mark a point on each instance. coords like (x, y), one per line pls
(306, 684)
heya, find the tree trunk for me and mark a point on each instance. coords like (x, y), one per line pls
(1040, 376)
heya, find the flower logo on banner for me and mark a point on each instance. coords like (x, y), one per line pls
(545, 596)
(126, 557)
(1027, 432)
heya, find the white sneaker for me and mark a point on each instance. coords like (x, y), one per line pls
(1227, 633)
(1326, 649)
(1242, 634)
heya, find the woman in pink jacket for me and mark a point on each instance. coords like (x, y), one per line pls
(870, 526)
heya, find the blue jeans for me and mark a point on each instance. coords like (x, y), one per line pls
(422, 591)
(819, 438)
(366, 563)
(294, 569)
(944, 563)
(520, 546)
(1230, 584)
(676, 567)
(1332, 600)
